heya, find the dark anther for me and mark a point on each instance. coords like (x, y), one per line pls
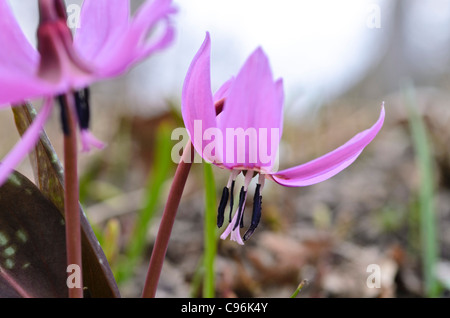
(256, 214)
(64, 118)
(222, 205)
(82, 107)
(241, 207)
(231, 199)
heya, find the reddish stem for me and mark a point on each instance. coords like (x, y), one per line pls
(71, 197)
(167, 221)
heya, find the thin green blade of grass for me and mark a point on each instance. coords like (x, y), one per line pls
(300, 286)
(159, 174)
(210, 233)
(427, 219)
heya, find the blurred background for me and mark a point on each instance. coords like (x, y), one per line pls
(339, 60)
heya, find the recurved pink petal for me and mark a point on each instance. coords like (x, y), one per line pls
(16, 54)
(197, 105)
(144, 22)
(16, 87)
(103, 26)
(117, 41)
(252, 116)
(27, 142)
(19, 62)
(325, 167)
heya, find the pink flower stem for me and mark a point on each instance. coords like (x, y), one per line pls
(71, 197)
(167, 221)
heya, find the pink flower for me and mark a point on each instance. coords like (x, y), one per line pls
(249, 107)
(107, 43)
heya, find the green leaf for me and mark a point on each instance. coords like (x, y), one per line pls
(32, 242)
(429, 242)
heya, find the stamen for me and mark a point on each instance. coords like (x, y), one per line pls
(231, 199)
(64, 118)
(242, 196)
(241, 225)
(222, 205)
(82, 107)
(256, 214)
(231, 182)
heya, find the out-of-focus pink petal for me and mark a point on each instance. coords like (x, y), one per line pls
(161, 42)
(17, 87)
(150, 13)
(223, 90)
(16, 53)
(144, 22)
(120, 42)
(88, 140)
(27, 142)
(19, 62)
(253, 108)
(103, 26)
(280, 95)
(325, 167)
(197, 105)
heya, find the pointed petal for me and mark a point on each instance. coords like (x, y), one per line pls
(254, 105)
(325, 167)
(197, 105)
(27, 142)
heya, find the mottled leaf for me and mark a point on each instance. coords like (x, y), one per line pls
(32, 242)
(48, 173)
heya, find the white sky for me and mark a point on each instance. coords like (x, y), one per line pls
(319, 47)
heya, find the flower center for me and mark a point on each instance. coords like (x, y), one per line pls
(228, 193)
